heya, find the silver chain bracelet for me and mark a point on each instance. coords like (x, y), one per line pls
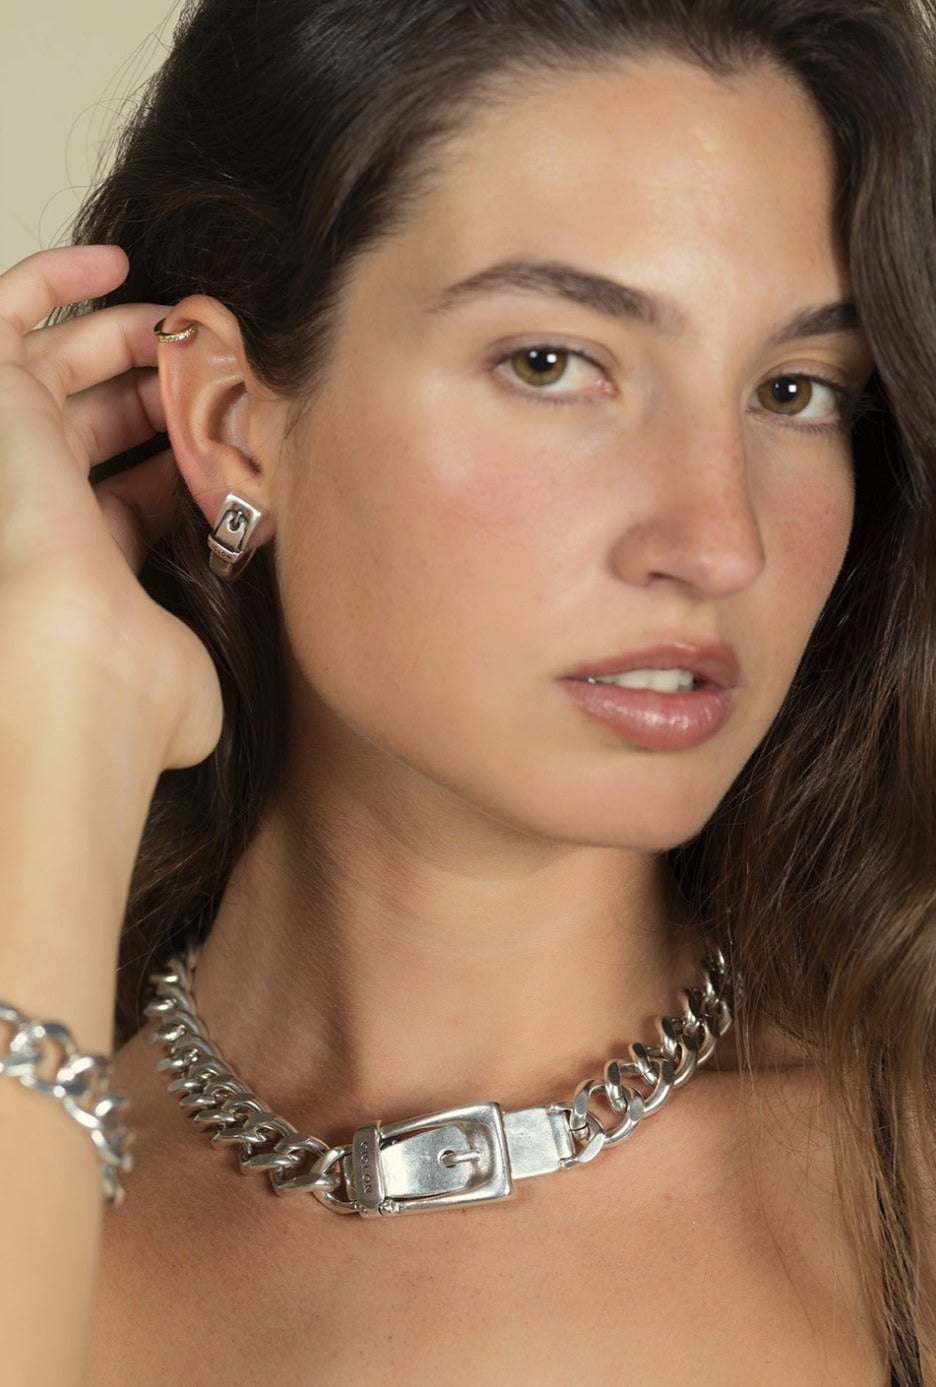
(462, 1156)
(80, 1082)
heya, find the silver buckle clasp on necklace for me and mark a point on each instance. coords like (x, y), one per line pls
(465, 1155)
(433, 1162)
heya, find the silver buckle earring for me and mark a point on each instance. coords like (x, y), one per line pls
(227, 543)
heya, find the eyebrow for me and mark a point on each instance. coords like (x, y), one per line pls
(621, 301)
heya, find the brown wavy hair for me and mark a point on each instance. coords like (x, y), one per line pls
(283, 137)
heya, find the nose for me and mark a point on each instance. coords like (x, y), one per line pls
(695, 522)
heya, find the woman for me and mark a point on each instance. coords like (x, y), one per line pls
(567, 372)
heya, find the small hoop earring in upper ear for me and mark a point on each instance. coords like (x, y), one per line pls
(181, 336)
(227, 542)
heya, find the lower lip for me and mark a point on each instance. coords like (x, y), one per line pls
(654, 721)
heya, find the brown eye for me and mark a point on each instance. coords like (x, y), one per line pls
(786, 394)
(540, 365)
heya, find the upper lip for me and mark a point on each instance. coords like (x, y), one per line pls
(711, 662)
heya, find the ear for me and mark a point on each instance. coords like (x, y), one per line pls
(222, 421)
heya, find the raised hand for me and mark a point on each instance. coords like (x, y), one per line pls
(72, 395)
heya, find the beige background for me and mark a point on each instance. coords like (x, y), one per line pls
(67, 70)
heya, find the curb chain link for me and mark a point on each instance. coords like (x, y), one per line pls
(80, 1082)
(686, 1041)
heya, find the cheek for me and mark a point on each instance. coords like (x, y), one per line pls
(417, 551)
(809, 540)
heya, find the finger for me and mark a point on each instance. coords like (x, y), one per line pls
(108, 419)
(51, 278)
(140, 505)
(77, 355)
(41, 485)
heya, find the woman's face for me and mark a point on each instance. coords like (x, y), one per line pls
(585, 414)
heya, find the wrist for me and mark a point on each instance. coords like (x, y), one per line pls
(76, 781)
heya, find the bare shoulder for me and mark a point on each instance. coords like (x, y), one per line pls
(747, 1180)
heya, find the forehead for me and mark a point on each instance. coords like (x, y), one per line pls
(651, 169)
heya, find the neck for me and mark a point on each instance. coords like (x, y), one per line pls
(387, 951)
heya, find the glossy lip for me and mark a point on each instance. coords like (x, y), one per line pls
(714, 663)
(652, 721)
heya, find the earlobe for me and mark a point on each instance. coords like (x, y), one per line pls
(207, 390)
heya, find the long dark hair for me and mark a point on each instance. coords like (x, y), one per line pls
(280, 139)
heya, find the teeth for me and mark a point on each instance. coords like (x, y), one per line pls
(658, 680)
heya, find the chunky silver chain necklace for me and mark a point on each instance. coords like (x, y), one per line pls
(462, 1156)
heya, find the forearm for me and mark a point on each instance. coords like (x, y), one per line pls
(73, 802)
(75, 786)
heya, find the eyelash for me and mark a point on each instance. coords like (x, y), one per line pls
(542, 394)
(847, 409)
(850, 400)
